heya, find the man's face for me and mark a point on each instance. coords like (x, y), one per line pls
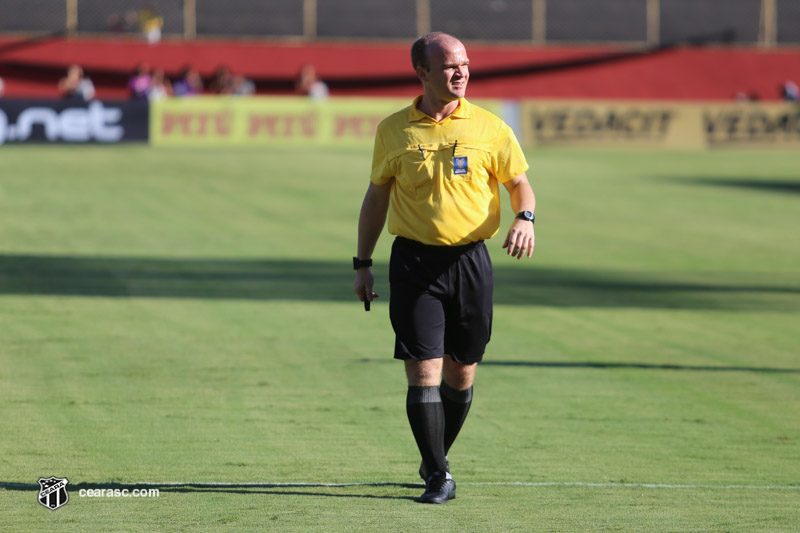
(449, 70)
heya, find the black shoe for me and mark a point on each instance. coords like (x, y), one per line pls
(438, 489)
(423, 472)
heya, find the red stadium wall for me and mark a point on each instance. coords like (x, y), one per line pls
(32, 70)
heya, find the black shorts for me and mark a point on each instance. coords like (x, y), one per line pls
(441, 300)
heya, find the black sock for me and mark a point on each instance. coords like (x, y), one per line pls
(426, 416)
(456, 404)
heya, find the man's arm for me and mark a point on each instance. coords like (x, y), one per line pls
(520, 238)
(370, 226)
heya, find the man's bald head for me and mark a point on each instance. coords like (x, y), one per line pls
(421, 47)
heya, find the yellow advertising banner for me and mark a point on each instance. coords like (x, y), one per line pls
(676, 125)
(761, 125)
(273, 120)
(252, 121)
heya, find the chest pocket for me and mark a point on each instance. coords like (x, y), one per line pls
(470, 162)
(420, 167)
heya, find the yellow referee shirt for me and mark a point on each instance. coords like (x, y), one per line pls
(446, 173)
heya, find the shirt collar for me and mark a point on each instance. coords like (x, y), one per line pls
(462, 111)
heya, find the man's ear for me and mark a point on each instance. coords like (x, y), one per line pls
(422, 74)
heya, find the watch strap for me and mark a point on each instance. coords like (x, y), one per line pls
(526, 215)
(361, 263)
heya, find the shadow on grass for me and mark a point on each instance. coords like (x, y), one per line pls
(791, 186)
(276, 279)
(278, 489)
(641, 366)
(606, 366)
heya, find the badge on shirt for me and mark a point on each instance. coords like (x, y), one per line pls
(460, 165)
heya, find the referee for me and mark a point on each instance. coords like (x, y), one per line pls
(435, 170)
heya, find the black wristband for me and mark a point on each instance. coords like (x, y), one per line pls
(361, 263)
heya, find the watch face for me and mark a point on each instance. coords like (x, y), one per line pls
(528, 215)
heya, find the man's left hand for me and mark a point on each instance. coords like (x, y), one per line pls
(520, 239)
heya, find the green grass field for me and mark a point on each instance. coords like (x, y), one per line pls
(184, 320)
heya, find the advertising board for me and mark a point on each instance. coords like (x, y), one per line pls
(273, 120)
(61, 121)
(676, 125)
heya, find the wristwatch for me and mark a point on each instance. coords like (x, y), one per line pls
(526, 215)
(361, 263)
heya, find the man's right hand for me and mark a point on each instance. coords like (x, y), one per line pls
(364, 283)
(370, 225)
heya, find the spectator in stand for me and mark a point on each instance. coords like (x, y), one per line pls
(789, 91)
(139, 82)
(309, 84)
(160, 87)
(151, 22)
(242, 86)
(115, 23)
(189, 83)
(127, 22)
(76, 86)
(223, 81)
(131, 20)
(746, 98)
(2, 87)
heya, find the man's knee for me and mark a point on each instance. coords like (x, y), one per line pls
(424, 373)
(458, 375)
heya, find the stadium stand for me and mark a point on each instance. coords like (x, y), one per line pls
(683, 19)
(476, 19)
(31, 16)
(519, 48)
(279, 18)
(592, 20)
(788, 21)
(561, 21)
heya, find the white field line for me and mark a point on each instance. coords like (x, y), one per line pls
(258, 484)
(635, 485)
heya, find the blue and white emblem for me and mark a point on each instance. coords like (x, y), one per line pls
(460, 165)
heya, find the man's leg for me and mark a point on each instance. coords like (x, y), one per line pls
(426, 415)
(456, 394)
(425, 411)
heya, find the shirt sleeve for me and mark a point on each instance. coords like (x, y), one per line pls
(381, 170)
(509, 160)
